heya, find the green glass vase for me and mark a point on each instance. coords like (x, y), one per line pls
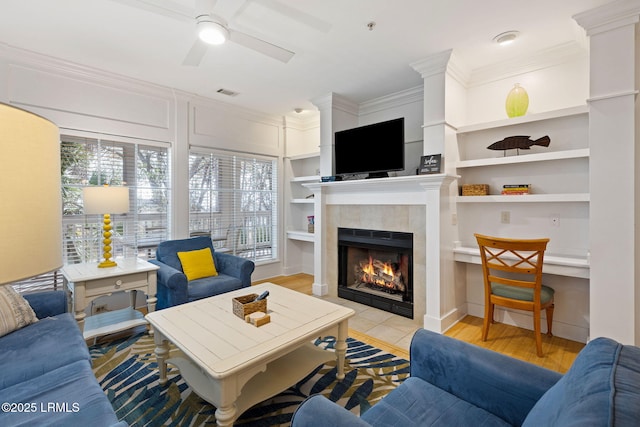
(517, 101)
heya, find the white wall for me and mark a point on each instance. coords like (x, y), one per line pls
(86, 101)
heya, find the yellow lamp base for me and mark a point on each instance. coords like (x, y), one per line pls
(108, 262)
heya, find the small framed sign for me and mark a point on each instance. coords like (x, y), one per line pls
(430, 164)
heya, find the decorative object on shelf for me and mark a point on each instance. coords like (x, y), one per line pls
(430, 164)
(516, 189)
(244, 305)
(517, 101)
(99, 200)
(475, 189)
(519, 142)
(311, 223)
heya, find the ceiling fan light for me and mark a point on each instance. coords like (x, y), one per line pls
(212, 32)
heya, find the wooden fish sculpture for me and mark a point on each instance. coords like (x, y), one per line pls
(519, 142)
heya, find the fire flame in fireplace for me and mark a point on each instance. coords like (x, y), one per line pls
(382, 274)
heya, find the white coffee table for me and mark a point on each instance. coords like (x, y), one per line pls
(233, 364)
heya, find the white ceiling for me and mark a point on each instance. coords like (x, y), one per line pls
(334, 49)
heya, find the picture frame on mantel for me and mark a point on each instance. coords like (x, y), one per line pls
(430, 164)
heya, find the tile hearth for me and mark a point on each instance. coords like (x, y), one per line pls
(385, 326)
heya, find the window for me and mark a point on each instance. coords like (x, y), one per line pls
(142, 168)
(233, 198)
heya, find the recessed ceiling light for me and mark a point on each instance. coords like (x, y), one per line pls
(505, 38)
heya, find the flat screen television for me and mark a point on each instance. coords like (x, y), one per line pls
(374, 149)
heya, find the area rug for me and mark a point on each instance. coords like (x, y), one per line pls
(127, 371)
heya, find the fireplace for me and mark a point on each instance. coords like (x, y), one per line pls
(376, 268)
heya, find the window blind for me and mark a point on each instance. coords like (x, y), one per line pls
(233, 198)
(92, 161)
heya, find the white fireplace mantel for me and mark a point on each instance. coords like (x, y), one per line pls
(398, 190)
(430, 191)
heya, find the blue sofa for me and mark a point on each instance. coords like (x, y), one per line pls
(453, 383)
(173, 287)
(45, 372)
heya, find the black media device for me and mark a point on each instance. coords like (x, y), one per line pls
(374, 149)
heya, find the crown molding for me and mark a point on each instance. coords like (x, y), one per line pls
(335, 101)
(307, 122)
(432, 65)
(458, 69)
(609, 16)
(397, 99)
(556, 55)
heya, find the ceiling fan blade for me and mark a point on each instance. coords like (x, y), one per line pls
(261, 46)
(196, 53)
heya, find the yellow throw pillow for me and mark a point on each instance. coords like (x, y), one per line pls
(198, 264)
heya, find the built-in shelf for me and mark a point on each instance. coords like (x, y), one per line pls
(525, 198)
(310, 200)
(304, 156)
(300, 235)
(311, 178)
(525, 158)
(529, 118)
(553, 264)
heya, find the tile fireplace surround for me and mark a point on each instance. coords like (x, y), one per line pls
(418, 204)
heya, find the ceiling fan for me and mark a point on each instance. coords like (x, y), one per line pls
(213, 28)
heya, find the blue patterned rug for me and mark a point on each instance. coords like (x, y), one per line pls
(127, 371)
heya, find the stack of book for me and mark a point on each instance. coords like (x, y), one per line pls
(516, 189)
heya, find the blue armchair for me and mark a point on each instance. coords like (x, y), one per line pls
(453, 383)
(173, 287)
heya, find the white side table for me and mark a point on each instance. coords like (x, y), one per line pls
(86, 282)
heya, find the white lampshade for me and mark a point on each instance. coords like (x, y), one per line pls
(105, 200)
(30, 195)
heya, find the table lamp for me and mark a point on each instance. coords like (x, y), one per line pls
(30, 195)
(98, 200)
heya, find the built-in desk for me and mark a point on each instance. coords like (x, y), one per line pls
(553, 264)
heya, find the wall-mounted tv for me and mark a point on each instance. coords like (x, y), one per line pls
(374, 149)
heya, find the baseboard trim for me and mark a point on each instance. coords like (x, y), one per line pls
(525, 321)
(319, 289)
(443, 323)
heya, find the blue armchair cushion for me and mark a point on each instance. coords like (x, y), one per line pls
(72, 386)
(22, 358)
(600, 388)
(203, 288)
(407, 406)
(47, 303)
(15, 311)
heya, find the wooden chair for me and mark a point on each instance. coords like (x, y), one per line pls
(512, 271)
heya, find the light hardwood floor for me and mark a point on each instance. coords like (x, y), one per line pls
(559, 353)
